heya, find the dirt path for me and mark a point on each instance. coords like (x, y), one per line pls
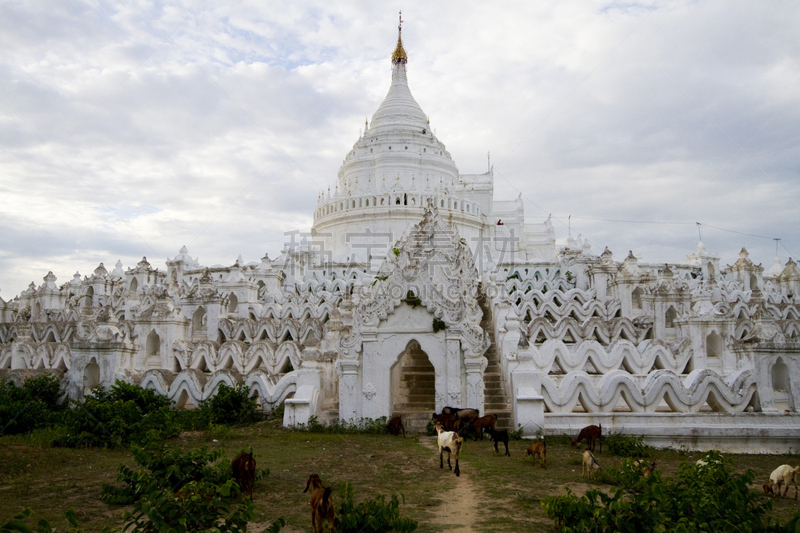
(461, 503)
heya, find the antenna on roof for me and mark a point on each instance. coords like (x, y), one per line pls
(698, 231)
(776, 239)
(489, 160)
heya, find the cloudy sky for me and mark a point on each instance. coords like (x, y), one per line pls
(131, 128)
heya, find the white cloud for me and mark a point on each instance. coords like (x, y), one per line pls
(221, 136)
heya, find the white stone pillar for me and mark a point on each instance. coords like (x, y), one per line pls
(475, 367)
(349, 406)
(369, 378)
(454, 396)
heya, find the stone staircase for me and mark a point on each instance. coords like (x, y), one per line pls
(416, 398)
(495, 398)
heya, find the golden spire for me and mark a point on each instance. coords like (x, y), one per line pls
(399, 55)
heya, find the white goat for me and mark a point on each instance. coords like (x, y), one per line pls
(589, 464)
(783, 475)
(449, 442)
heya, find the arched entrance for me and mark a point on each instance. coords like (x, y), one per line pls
(413, 382)
(781, 386)
(91, 376)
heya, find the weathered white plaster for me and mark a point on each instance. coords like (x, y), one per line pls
(341, 323)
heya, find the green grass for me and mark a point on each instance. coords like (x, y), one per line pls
(508, 489)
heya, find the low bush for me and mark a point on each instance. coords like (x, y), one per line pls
(714, 498)
(429, 430)
(122, 415)
(159, 466)
(515, 435)
(626, 445)
(372, 516)
(37, 404)
(231, 406)
(181, 492)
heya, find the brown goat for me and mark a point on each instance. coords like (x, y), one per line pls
(395, 426)
(463, 415)
(321, 503)
(646, 468)
(244, 472)
(488, 421)
(446, 420)
(540, 449)
(591, 434)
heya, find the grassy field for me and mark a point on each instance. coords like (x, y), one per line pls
(494, 493)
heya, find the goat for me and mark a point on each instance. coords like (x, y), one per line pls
(488, 421)
(589, 463)
(244, 472)
(498, 435)
(321, 503)
(540, 449)
(449, 442)
(462, 415)
(446, 420)
(646, 468)
(783, 475)
(395, 425)
(590, 434)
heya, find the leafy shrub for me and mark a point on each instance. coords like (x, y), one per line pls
(231, 406)
(199, 506)
(515, 435)
(182, 492)
(429, 431)
(627, 445)
(34, 405)
(371, 516)
(713, 498)
(122, 415)
(164, 467)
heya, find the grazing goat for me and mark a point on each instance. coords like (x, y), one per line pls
(449, 442)
(244, 472)
(498, 435)
(783, 475)
(646, 468)
(589, 464)
(462, 415)
(395, 425)
(321, 503)
(484, 422)
(446, 420)
(590, 434)
(540, 449)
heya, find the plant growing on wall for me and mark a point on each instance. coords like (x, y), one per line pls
(412, 299)
(438, 325)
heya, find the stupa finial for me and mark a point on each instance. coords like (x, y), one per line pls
(399, 55)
